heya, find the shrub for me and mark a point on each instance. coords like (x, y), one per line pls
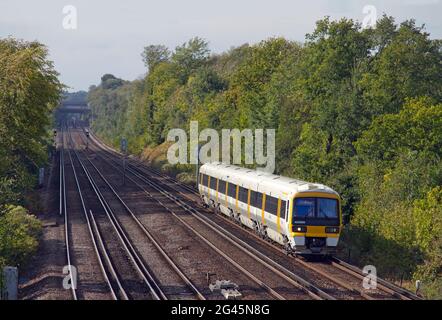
(19, 233)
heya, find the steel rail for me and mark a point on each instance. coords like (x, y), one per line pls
(382, 283)
(139, 265)
(100, 256)
(151, 237)
(66, 221)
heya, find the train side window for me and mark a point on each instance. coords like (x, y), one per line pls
(232, 190)
(271, 205)
(283, 208)
(258, 200)
(205, 179)
(213, 183)
(253, 195)
(243, 194)
(222, 186)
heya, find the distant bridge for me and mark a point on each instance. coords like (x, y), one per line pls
(72, 112)
(74, 108)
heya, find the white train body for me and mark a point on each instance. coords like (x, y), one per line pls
(303, 217)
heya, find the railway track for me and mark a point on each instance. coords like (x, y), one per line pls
(62, 210)
(203, 222)
(385, 285)
(169, 266)
(126, 274)
(289, 290)
(73, 256)
(337, 271)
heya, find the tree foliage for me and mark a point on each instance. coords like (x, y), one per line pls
(29, 91)
(154, 54)
(19, 233)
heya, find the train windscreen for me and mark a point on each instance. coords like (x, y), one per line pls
(321, 208)
(327, 208)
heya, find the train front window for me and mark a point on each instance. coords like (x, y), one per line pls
(321, 208)
(304, 207)
(327, 208)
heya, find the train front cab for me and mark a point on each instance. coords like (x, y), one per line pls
(316, 223)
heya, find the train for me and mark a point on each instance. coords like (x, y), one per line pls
(305, 218)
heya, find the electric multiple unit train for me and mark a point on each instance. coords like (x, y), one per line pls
(303, 217)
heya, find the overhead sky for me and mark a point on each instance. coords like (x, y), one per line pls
(111, 34)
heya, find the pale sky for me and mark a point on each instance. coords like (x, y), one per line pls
(111, 34)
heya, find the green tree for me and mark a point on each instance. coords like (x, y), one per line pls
(19, 233)
(400, 163)
(249, 91)
(417, 127)
(154, 54)
(191, 55)
(109, 102)
(29, 91)
(405, 64)
(427, 213)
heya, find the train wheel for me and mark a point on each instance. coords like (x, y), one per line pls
(287, 248)
(238, 219)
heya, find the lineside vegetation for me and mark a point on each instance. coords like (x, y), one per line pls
(29, 91)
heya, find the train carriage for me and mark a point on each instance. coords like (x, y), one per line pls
(303, 217)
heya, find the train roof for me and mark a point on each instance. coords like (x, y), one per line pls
(262, 181)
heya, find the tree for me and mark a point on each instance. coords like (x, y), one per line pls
(29, 91)
(405, 64)
(250, 83)
(109, 102)
(191, 55)
(19, 233)
(427, 213)
(154, 54)
(400, 167)
(416, 128)
(109, 81)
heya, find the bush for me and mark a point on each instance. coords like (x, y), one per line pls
(19, 233)
(427, 214)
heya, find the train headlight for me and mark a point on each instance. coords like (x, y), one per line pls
(299, 229)
(332, 230)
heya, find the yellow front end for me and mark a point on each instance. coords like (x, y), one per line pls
(311, 232)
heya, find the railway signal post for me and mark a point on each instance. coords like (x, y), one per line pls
(55, 137)
(123, 148)
(87, 139)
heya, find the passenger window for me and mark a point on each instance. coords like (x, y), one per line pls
(213, 183)
(205, 179)
(243, 194)
(232, 190)
(222, 187)
(283, 208)
(258, 200)
(271, 205)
